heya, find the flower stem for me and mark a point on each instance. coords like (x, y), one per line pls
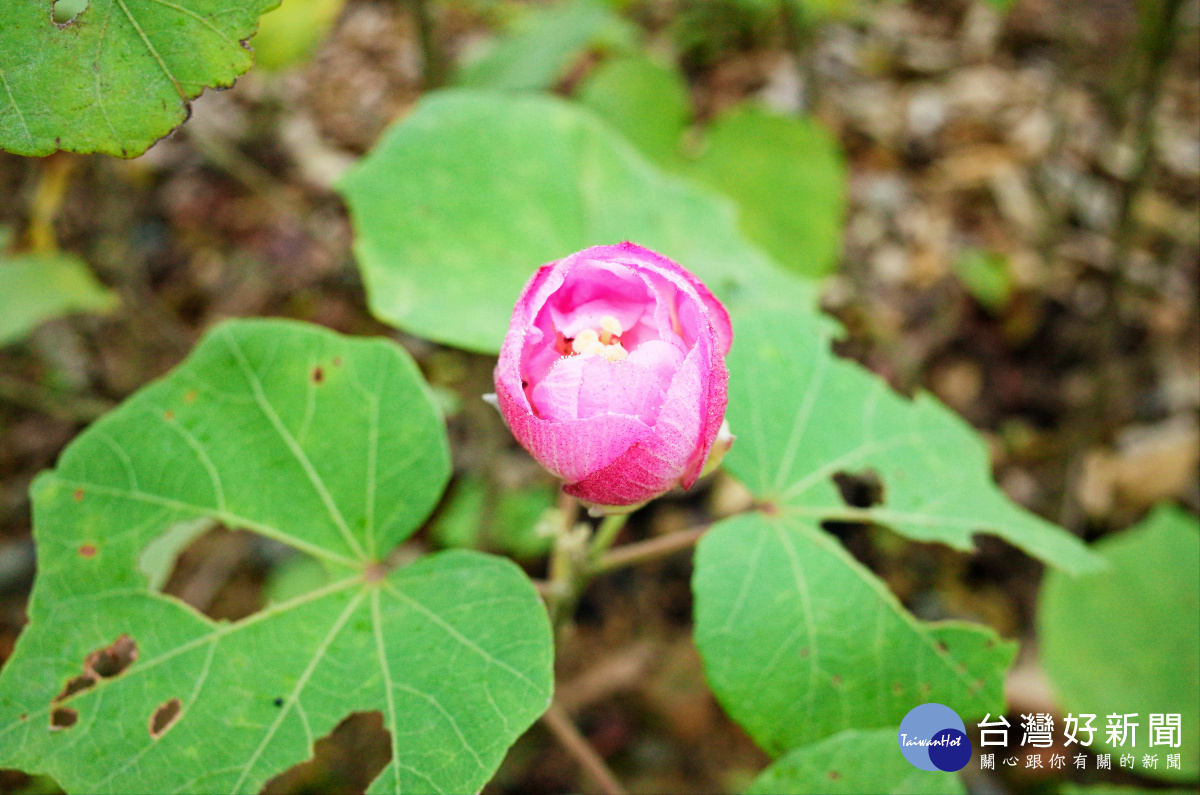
(609, 529)
(562, 588)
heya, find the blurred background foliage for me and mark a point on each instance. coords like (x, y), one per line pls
(997, 200)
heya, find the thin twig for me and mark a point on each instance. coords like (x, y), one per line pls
(574, 743)
(629, 554)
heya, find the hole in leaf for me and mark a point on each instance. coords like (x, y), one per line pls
(75, 686)
(860, 489)
(113, 659)
(346, 760)
(103, 663)
(63, 718)
(165, 717)
(217, 571)
(67, 11)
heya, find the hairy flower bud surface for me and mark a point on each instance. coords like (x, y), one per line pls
(612, 374)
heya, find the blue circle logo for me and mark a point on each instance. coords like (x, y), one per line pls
(933, 737)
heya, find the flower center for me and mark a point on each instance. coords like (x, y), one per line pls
(606, 341)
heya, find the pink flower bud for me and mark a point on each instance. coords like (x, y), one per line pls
(612, 374)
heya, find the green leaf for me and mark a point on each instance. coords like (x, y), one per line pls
(462, 200)
(851, 762)
(645, 101)
(120, 75)
(291, 33)
(787, 176)
(333, 446)
(295, 577)
(543, 42)
(1127, 639)
(510, 521)
(805, 419)
(458, 523)
(800, 641)
(987, 278)
(519, 521)
(34, 288)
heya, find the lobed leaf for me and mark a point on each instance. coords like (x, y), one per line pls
(334, 447)
(806, 419)
(118, 76)
(800, 641)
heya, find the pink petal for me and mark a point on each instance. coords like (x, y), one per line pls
(675, 452)
(571, 449)
(619, 388)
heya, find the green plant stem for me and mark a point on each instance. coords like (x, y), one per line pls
(47, 199)
(609, 529)
(562, 589)
(433, 65)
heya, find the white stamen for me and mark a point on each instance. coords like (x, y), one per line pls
(615, 352)
(609, 327)
(585, 340)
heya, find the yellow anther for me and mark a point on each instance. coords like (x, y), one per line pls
(585, 340)
(615, 352)
(609, 327)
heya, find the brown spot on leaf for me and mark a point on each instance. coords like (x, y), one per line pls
(836, 681)
(834, 775)
(941, 646)
(168, 415)
(897, 688)
(189, 396)
(318, 375)
(337, 361)
(87, 550)
(78, 495)
(63, 718)
(804, 652)
(165, 717)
